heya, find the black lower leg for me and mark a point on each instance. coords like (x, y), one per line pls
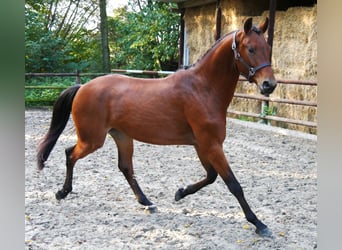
(67, 187)
(140, 196)
(191, 189)
(235, 188)
(142, 199)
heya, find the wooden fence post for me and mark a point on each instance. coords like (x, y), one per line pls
(78, 78)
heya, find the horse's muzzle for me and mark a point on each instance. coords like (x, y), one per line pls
(267, 87)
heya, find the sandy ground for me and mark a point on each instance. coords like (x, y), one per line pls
(277, 169)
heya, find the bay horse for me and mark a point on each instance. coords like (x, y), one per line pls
(187, 107)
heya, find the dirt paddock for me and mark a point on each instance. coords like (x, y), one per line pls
(277, 169)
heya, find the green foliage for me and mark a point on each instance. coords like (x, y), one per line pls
(142, 35)
(245, 118)
(267, 110)
(40, 97)
(57, 40)
(45, 96)
(146, 38)
(47, 54)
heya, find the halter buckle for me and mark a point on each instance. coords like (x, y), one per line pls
(251, 71)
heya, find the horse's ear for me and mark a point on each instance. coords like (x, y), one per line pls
(263, 27)
(248, 25)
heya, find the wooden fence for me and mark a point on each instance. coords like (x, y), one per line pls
(265, 100)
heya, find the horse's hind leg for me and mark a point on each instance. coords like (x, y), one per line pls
(210, 178)
(74, 153)
(125, 151)
(67, 187)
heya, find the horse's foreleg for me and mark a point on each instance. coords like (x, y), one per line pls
(210, 178)
(219, 162)
(125, 151)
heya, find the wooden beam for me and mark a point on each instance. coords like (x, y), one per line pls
(218, 19)
(273, 6)
(181, 39)
(194, 3)
(189, 3)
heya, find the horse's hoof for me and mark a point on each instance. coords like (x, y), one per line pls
(179, 194)
(151, 209)
(265, 232)
(61, 194)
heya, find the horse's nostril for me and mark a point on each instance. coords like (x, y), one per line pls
(268, 87)
(266, 84)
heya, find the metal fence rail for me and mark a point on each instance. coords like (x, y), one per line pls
(275, 118)
(277, 100)
(270, 99)
(264, 99)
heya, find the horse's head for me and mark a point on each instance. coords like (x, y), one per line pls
(253, 56)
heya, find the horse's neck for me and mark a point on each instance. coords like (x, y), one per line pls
(218, 67)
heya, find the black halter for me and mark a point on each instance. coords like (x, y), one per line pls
(251, 70)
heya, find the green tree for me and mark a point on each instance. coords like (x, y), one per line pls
(144, 35)
(64, 36)
(58, 35)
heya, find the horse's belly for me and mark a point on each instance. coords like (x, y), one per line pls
(162, 138)
(158, 131)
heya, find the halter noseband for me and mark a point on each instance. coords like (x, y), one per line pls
(251, 70)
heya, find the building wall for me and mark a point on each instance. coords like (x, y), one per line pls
(294, 51)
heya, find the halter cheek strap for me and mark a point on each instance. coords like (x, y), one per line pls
(251, 70)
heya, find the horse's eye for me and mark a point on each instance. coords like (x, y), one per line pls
(251, 50)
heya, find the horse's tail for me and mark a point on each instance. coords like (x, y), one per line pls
(60, 116)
